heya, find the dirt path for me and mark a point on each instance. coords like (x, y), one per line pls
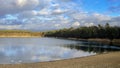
(110, 60)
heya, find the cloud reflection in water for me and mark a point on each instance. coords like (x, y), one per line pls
(28, 50)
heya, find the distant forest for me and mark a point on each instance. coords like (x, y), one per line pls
(100, 31)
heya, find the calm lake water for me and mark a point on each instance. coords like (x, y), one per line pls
(29, 50)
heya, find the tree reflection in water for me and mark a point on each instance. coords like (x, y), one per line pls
(93, 47)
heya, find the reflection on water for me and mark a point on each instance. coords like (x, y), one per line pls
(93, 47)
(28, 50)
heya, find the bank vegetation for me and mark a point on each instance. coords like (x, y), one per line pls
(20, 33)
(92, 33)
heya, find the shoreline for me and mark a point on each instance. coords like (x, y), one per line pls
(99, 40)
(105, 60)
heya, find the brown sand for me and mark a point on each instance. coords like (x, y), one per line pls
(109, 60)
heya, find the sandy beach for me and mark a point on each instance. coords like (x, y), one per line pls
(108, 60)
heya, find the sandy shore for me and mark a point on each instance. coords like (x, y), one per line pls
(109, 60)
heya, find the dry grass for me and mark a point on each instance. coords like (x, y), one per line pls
(116, 41)
(110, 60)
(100, 40)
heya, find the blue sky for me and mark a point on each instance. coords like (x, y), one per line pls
(102, 6)
(57, 14)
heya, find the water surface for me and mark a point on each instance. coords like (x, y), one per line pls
(29, 50)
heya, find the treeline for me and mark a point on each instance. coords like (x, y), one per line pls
(106, 31)
(19, 33)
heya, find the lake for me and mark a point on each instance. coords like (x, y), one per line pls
(29, 50)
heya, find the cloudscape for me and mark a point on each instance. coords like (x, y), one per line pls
(57, 14)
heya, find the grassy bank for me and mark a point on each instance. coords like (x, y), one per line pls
(116, 41)
(20, 33)
(17, 36)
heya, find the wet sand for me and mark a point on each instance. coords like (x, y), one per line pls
(108, 60)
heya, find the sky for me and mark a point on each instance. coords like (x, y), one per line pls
(43, 15)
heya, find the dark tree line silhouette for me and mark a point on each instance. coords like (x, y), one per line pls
(106, 31)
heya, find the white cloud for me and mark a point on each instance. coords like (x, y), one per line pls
(9, 27)
(59, 11)
(101, 17)
(66, 0)
(28, 14)
(15, 6)
(48, 14)
(76, 24)
(57, 25)
(44, 11)
(89, 24)
(79, 16)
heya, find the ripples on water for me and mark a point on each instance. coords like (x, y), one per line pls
(28, 50)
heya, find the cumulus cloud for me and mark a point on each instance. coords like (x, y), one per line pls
(48, 15)
(28, 14)
(66, 0)
(15, 6)
(59, 11)
(89, 24)
(101, 17)
(57, 25)
(9, 27)
(76, 24)
(44, 11)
